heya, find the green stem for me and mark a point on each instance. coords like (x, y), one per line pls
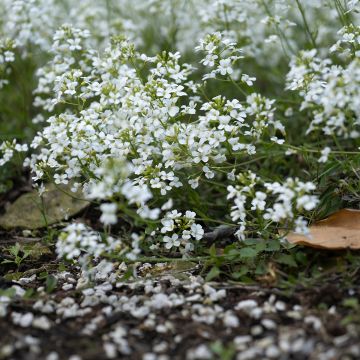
(306, 25)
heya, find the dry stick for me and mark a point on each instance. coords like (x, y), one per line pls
(26, 239)
(252, 288)
(19, 239)
(43, 268)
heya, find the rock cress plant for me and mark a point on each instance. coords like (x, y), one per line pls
(136, 140)
(195, 130)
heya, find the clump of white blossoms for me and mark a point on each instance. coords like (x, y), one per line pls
(7, 56)
(177, 147)
(330, 91)
(274, 202)
(262, 28)
(182, 228)
(77, 240)
(8, 148)
(137, 130)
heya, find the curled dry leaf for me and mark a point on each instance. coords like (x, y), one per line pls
(341, 230)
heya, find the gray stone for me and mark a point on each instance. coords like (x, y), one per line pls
(29, 211)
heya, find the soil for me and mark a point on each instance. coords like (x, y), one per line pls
(183, 316)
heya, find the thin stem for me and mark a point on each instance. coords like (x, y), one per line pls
(306, 25)
(303, 149)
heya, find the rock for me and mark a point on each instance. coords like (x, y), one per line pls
(29, 211)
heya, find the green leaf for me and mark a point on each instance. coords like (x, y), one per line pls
(301, 257)
(213, 273)
(11, 292)
(14, 250)
(36, 250)
(241, 272)
(29, 293)
(62, 267)
(260, 246)
(273, 245)
(231, 252)
(261, 268)
(50, 283)
(286, 260)
(14, 276)
(251, 241)
(212, 251)
(7, 261)
(128, 274)
(224, 352)
(351, 303)
(248, 252)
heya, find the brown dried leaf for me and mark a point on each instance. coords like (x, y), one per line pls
(341, 230)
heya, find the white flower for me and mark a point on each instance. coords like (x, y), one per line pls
(247, 79)
(259, 201)
(108, 216)
(307, 202)
(146, 213)
(190, 215)
(324, 155)
(168, 204)
(225, 67)
(208, 173)
(61, 179)
(168, 225)
(194, 183)
(138, 194)
(289, 112)
(209, 60)
(172, 241)
(276, 140)
(173, 111)
(301, 226)
(200, 352)
(197, 231)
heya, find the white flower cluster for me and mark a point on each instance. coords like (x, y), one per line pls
(7, 56)
(264, 29)
(274, 202)
(77, 240)
(7, 149)
(330, 92)
(183, 229)
(143, 132)
(220, 53)
(349, 43)
(142, 138)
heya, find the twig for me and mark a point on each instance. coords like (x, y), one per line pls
(20, 239)
(254, 288)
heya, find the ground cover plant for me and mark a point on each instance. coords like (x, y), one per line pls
(190, 145)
